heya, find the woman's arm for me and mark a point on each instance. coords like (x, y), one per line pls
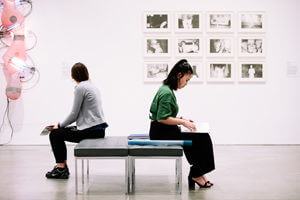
(78, 99)
(178, 121)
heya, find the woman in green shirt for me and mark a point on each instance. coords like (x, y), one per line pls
(164, 125)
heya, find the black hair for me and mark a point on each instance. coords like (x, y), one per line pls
(182, 67)
(79, 72)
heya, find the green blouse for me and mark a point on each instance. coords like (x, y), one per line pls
(164, 104)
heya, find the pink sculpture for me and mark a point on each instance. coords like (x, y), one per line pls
(15, 57)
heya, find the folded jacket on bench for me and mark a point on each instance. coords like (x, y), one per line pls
(138, 136)
(161, 142)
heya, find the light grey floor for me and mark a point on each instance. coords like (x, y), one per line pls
(242, 172)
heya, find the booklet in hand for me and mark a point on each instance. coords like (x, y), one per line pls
(47, 130)
(201, 127)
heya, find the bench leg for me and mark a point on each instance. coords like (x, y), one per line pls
(131, 174)
(88, 170)
(127, 179)
(179, 174)
(82, 175)
(76, 177)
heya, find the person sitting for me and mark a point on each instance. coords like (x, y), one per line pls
(88, 114)
(164, 126)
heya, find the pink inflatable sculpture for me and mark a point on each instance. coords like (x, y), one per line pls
(15, 57)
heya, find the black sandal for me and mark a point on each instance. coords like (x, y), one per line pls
(192, 184)
(211, 184)
(204, 186)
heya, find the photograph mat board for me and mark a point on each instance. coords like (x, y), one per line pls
(188, 21)
(251, 21)
(220, 71)
(220, 21)
(156, 21)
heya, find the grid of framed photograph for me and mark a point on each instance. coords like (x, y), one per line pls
(221, 46)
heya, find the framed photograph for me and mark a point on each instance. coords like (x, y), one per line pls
(252, 71)
(188, 22)
(157, 47)
(156, 71)
(220, 21)
(252, 22)
(156, 21)
(252, 46)
(198, 71)
(220, 46)
(188, 46)
(220, 71)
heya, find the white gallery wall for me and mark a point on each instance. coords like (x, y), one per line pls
(108, 37)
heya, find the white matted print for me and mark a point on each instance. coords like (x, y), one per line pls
(156, 21)
(220, 71)
(188, 22)
(252, 71)
(198, 72)
(252, 22)
(157, 46)
(220, 21)
(220, 46)
(252, 46)
(156, 71)
(188, 46)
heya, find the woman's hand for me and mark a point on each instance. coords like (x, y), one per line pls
(190, 120)
(189, 125)
(187, 119)
(55, 126)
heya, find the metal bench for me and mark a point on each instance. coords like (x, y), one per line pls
(155, 152)
(104, 148)
(116, 147)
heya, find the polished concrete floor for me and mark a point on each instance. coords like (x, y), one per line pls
(242, 172)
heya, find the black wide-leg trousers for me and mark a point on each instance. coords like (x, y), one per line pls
(200, 155)
(71, 134)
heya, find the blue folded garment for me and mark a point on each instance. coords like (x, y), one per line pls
(161, 142)
(138, 136)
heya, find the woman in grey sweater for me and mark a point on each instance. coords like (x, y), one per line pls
(88, 114)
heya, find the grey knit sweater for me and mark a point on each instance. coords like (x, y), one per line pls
(87, 107)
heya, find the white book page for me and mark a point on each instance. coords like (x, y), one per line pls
(201, 127)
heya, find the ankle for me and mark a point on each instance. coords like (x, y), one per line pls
(196, 178)
(60, 165)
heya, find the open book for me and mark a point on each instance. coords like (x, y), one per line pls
(47, 130)
(201, 127)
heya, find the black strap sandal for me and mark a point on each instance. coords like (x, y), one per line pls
(211, 184)
(203, 186)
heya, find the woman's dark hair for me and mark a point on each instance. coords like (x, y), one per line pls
(79, 72)
(182, 67)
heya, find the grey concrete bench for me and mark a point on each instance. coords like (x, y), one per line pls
(117, 148)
